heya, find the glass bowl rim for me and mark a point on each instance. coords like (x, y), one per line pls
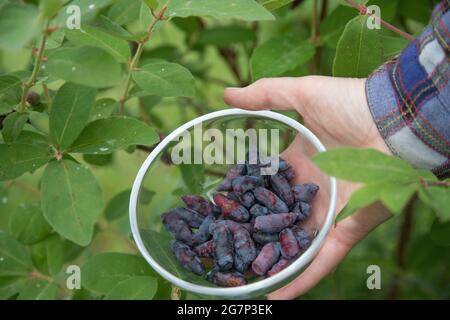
(257, 286)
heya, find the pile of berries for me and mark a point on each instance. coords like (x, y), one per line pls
(251, 229)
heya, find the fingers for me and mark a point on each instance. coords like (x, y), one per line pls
(273, 93)
(338, 243)
(328, 258)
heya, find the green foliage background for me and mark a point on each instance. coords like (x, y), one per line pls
(70, 150)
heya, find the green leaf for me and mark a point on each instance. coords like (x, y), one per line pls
(18, 24)
(135, 288)
(188, 25)
(359, 50)
(10, 286)
(280, 54)
(439, 199)
(165, 79)
(55, 40)
(48, 255)
(28, 225)
(8, 81)
(393, 45)
(396, 196)
(13, 125)
(361, 198)
(440, 232)
(145, 16)
(151, 4)
(16, 159)
(193, 177)
(159, 246)
(30, 135)
(71, 200)
(107, 135)
(117, 30)
(275, 4)
(40, 121)
(14, 257)
(38, 290)
(103, 108)
(75, 63)
(248, 10)
(420, 11)
(388, 8)
(118, 206)
(361, 2)
(226, 35)
(145, 195)
(104, 271)
(333, 25)
(124, 11)
(72, 251)
(98, 159)
(49, 8)
(10, 99)
(88, 10)
(70, 112)
(364, 165)
(90, 36)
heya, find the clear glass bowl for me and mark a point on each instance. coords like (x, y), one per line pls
(167, 182)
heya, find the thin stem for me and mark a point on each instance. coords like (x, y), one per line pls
(318, 16)
(230, 58)
(134, 62)
(315, 19)
(47, 96)
(402, 246)
(324, 10)
(363, 10)
(37, 67)
(38, 275)
(426, 183)
(24, 186)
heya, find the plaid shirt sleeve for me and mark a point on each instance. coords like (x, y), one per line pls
(409, 98)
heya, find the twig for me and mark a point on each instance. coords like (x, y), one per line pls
(38, 275)
(402, 245)
(315, 34)
(426, 183)
(324, 10)
(37, 67)
(363, 10)
(144, 114)
(135, 60)
(47, 96)
(230, 58)
(22, 185)
(315, 20)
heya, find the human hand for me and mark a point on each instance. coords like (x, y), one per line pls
(336, 110)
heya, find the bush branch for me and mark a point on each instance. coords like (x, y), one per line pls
(363, 10)
(402, 246)
(426, 183)
(37, 67)
(158, 16)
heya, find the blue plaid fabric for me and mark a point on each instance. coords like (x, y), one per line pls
(409, 98)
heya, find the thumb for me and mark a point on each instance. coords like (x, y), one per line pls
(281, 94)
